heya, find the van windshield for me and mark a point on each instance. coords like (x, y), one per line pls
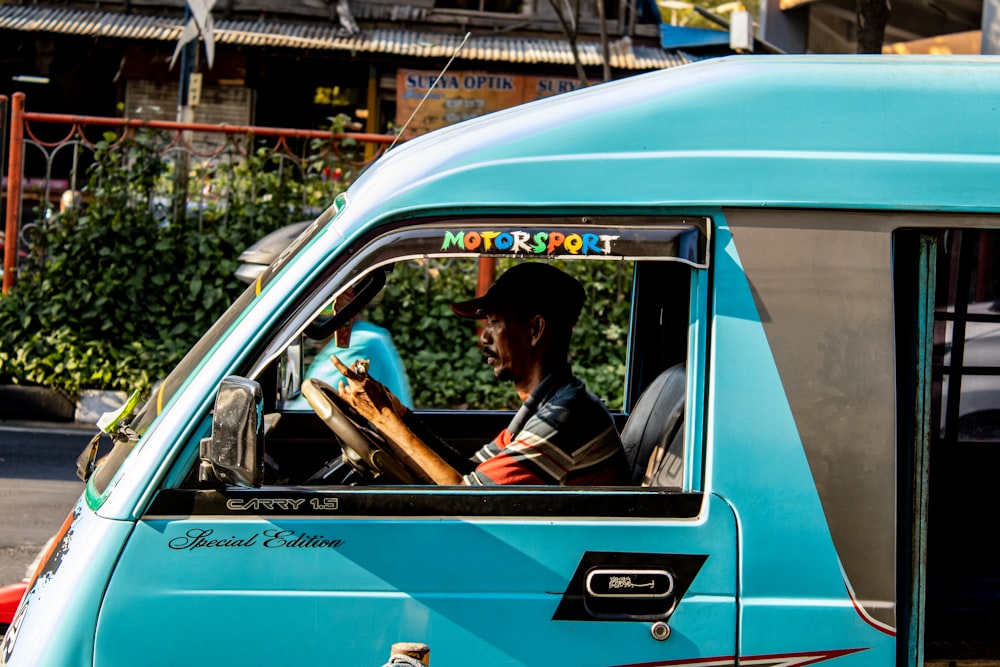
(165, 389)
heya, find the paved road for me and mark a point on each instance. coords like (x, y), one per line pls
(38, 488)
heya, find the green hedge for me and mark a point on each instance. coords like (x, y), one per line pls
(114, 294)
(441, 353)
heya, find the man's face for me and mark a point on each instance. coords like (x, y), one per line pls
(506, 341)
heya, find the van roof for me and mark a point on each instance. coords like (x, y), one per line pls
(882, 132)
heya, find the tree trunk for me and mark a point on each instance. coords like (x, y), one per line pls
(605, 56)
(872, 18)
(571, 33)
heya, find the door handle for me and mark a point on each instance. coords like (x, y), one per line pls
(632, 594)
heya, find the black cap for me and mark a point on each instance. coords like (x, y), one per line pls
(532, 288)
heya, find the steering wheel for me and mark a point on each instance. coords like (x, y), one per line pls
(364, 449)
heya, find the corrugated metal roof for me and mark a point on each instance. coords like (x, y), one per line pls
(624, 54)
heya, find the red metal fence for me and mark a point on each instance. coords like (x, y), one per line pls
(192, 141)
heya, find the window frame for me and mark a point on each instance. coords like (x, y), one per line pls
(407, 241)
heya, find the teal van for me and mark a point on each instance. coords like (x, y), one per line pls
(813, 346)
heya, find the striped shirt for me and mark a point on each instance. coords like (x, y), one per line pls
(562, 434)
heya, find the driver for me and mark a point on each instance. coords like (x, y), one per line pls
(562, 434)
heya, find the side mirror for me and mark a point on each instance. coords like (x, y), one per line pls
(235, 451)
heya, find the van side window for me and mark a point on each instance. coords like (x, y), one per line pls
(629, 347)
(967, 337)
(958, 451)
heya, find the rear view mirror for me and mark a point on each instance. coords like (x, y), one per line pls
(346, 309)
(290, 371)
(235, 451)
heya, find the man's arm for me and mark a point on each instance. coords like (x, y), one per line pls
(384, 410)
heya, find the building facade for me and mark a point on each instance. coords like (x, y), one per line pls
(300, 63)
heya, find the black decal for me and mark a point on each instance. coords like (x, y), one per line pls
(430, 501)
(205, 538)
(290, 539)
(200, 538)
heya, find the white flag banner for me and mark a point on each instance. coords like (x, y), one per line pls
(199, 23)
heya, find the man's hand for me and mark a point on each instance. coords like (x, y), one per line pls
(381, 407)
(367, 395)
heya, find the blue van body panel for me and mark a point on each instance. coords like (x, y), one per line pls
(384, 579)
(809, 131)
(697, 343)
(58, 615)
(791, 596)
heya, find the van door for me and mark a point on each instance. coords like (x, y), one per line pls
(323, 566)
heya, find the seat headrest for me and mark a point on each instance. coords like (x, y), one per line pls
(655, 422)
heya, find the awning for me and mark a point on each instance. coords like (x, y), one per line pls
(325, 36)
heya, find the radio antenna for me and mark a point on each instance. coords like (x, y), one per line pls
(427, 94)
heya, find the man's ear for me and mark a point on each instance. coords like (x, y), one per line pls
(536, 327)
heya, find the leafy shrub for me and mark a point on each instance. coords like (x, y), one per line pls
(442, 350)
(113, 294)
